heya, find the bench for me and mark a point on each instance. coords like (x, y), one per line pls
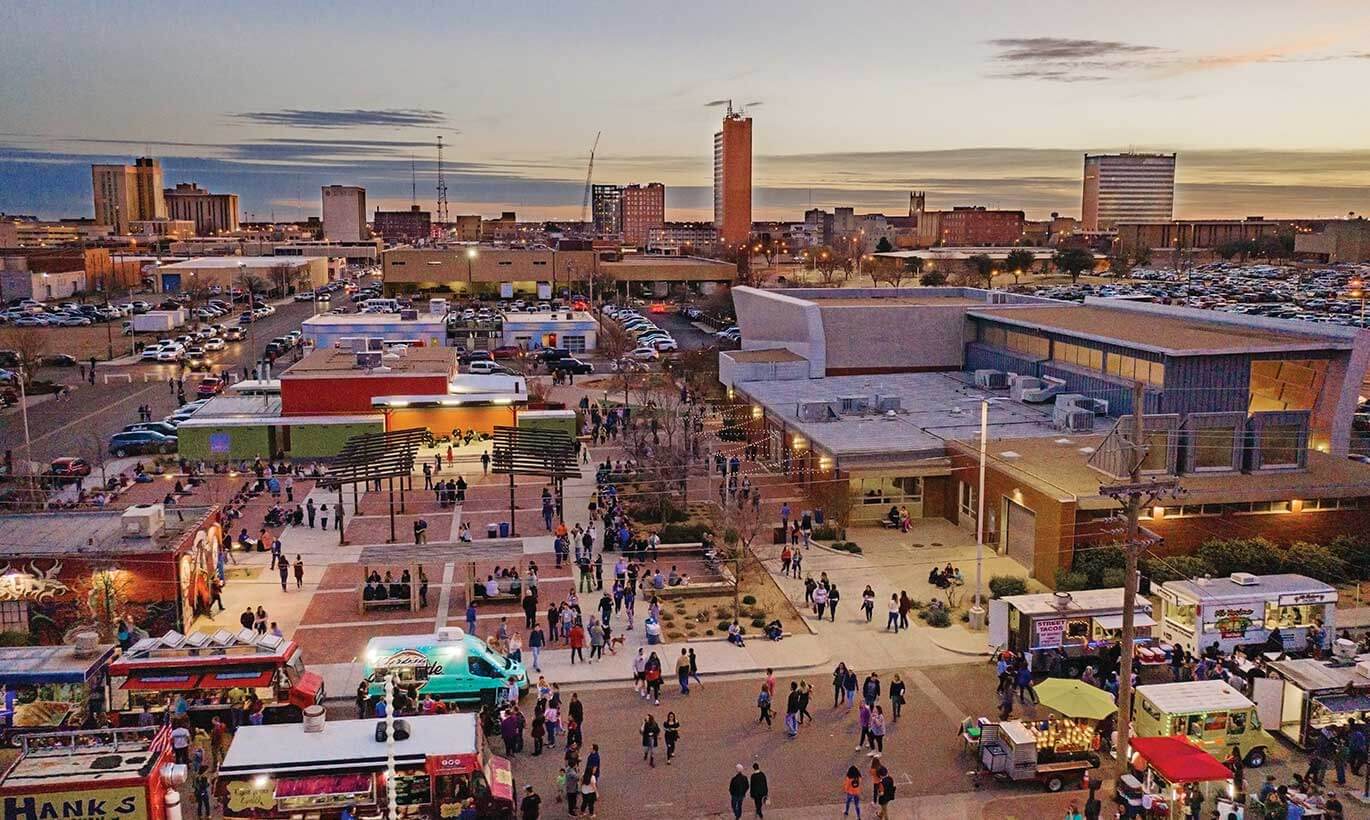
(507, 592)
(409, 601)
(384, 603)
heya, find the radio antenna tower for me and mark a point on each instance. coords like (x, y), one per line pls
(442, 188)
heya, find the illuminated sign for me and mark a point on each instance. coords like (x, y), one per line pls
(412, 659)
(243, 795)
(1233, 622)
(1302, 598)
(1050, 634)
(86, 804)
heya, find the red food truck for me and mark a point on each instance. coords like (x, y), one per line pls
(216, 674)
(109, 774)
(319, 769)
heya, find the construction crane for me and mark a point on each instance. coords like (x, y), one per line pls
(589, 175)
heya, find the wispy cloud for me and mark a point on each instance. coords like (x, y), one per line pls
(348, 118)
(1069, 60)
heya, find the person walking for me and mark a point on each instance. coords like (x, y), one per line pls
(310, 511)
(839, 682)
(805, 692)
(471, 618)
(536, 640)
(850, 686)
(851, 792)
(694, 668)
(763, 702)
(577, 641)
(886, 793)
(877, 730)
(529, 807)
(682, 671)
(299, 571)
(892, 621)
(589, 792)
(868, 602)
(671, 730)
(650, 732)
(863, 718)
(758, 788)
(833, 598)
(897, 690)
(792, 710)
(870, 690)
(202, 803)
(738, 787)
(572, 786)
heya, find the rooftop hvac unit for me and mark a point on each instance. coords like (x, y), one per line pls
(358, 344)
(1245, 579)
(369, 359)
(143, 520)
(851, 405)
(451, 634)
(816, 411)
(1363, 668)
(409, 315)
(1077, 421)
(375, 343)
(991, 379)
(888, 404)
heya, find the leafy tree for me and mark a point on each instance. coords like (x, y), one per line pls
(1141, 257)
(1019, 262)
(1073, 262)
(1315, 561)
(1120, 265)
(1176, 568)
(914, 264)
(932, 279)
(1256, 555)
(883, 246)
(983, 268)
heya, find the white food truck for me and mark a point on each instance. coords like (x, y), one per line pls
(1244, 610)
(1081, 627)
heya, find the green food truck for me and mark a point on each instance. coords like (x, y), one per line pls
(1209, 712)
(448, 664)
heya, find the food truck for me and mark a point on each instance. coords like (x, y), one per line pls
(51, 687)
(1245, 609)
(215, 673)
(1049, 752)
(1164, 771)
(1212, 714)
(448, 664)
(109, 774)
(1303, 697)
(287, 772)
(1080, 626)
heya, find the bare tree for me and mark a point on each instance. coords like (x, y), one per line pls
(93, 447)
(742, 524)
(29, 344)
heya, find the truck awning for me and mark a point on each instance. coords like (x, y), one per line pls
(1116, 621)
(1344, 704)
(247, 679)
(162, 683)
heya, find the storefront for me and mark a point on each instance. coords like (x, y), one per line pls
(95, 775)
(217, 674)
(1245, 610)
(1075, 629)
(285, 772)
(45, 688)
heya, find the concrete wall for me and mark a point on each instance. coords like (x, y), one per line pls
(893, 339)
(771, 319)
(731, 372)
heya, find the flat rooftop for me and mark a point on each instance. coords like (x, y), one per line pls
(90, 533)
(1159, 331)
(1225, 589)
(1058, 465)
(285, 747)
(235, 261)
(900, 301)
(771, 355)
(238, 406)
(935, 407)
(361, 320)
(413, 361)
(546, 317)
(86, 759)
(1193, 696)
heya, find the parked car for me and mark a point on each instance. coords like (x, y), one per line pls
(571, 365)
(476, 356)
(59, 360)
(665, 345)
(304, 296)
(507, 352)
(209, 388)
(69, 467)
(155, 426)
(215, 344)
(645, 354)
(141, 442)
(234, 334)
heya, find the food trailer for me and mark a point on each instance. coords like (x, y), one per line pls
(1047, 751)
(1163, 773)
(1210, 713)
(1303, 697)
(287, 772)
(1244, 610)
(1080, 626)
(51, 687)
(110, 774)
(215, 673)
(448, 664)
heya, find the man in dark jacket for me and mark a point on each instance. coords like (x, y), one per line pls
(737, 790)
(758, 788)
(531, 804)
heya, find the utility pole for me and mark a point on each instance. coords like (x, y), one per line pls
(1134, 495)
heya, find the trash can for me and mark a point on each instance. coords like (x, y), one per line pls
(504, 529)
(492, 530)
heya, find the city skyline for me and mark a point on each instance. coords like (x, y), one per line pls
(999, 115)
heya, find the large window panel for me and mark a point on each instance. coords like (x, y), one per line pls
(1213, 448)
(1281, 445)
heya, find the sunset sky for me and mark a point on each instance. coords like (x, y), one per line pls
(978, 103)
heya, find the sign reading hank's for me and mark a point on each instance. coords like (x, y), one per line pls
(96, 804)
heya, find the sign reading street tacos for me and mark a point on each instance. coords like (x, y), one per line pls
(1050, 634)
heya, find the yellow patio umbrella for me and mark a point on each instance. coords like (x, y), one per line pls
(1075, 699)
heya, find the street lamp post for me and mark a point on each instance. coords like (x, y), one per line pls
(1357, 291)
(470, 257)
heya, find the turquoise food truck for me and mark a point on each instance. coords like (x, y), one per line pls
(449, 665)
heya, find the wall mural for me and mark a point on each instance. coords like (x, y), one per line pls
(32, 584)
